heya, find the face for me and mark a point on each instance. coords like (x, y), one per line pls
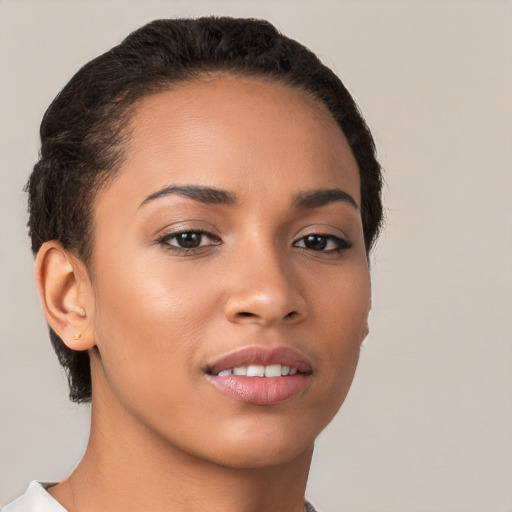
(230, 277)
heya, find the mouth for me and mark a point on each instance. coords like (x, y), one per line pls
(254, 370)
(261, 376)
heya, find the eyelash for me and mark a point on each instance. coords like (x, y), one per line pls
(340, 243)
(165, 240)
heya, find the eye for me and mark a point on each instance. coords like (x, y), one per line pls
(188, 240)
(323, 243)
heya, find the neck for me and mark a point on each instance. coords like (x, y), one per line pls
(127, 467)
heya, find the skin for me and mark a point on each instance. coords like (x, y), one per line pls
(154, 316)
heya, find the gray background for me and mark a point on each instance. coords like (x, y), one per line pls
(427, 425)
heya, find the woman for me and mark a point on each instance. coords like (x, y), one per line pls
(201, 215)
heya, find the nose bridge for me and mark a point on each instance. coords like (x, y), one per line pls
(264, 289)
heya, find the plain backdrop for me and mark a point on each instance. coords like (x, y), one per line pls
(427, 425)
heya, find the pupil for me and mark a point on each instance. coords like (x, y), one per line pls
(315, 242)
(189, 240)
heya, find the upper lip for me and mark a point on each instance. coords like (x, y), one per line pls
(263, 356)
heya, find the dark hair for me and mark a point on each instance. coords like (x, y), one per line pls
(83, 130)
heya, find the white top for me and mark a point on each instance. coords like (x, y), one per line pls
(35, 499)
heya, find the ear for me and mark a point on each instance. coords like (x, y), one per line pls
(66, 295)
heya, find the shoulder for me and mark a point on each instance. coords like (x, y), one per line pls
(35, 499)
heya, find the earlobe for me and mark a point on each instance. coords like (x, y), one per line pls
(65, 293)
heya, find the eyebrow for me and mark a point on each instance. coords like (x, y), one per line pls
(205, 195)
(208, 195)
(316, 198)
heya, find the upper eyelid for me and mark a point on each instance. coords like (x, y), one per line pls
(321, 230)
(165, 241)
(176, 232)
(187, 227)
(179, 231)
(173, 234)
(324, 235)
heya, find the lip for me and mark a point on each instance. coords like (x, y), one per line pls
(263, 356)
(261, 390)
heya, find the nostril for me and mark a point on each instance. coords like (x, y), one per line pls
(248, 314)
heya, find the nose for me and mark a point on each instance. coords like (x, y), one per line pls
(264, 290)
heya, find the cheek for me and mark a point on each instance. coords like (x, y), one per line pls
(150, 292)
(342, 314)
(148, 322)
(341, 302)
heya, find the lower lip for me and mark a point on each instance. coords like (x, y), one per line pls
(261, 390)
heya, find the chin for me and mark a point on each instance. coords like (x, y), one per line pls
(265, 442)
(256, 457)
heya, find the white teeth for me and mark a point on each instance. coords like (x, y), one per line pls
(255, 371)
(272, 370)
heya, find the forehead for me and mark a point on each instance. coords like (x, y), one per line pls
(235, 133)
